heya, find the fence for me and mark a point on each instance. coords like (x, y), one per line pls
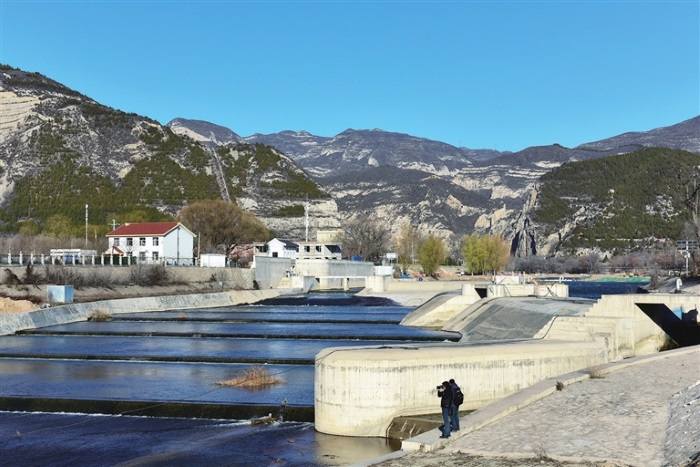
(91, 260)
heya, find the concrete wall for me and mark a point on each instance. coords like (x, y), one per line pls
(359, 391)
(616, 333)
(317, 268)
(13, 322)
(411, 285)
(648, 337)
(439, 310)
(377, 284)
(237, 278)
(335, 271)
(269, 271)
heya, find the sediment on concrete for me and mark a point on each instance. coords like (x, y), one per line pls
(13, 322)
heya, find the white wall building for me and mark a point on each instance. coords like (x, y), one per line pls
(168, 243)
(282, 248)
(319, 250)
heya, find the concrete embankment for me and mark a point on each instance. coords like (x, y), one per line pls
(359, 391)
(70, 313)
(640, 412)
(508, 343)
(412, 292)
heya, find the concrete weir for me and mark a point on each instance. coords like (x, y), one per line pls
(75, 312)
(512, 338)
(359, 392)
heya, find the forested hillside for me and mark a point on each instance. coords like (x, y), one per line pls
(620, 202)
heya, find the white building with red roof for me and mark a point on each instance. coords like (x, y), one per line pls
(153, 243)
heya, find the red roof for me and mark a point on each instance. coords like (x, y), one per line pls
(143, 229)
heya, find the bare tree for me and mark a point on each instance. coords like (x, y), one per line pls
(367, 237)
(406, 244)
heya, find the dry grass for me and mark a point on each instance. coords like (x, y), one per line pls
(255, 376)
(99, 314)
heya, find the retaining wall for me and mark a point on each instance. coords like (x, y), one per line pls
(115, 276)
(359, 391)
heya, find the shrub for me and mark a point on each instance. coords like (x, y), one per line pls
(99, 314)
(151, 275)
(99, 278)
(11, 278)
(255, 376)
(61, 275)
(30, 277)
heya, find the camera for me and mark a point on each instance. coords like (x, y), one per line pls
(439, 387)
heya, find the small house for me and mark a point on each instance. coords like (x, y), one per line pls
(282, 248)
(169, 243)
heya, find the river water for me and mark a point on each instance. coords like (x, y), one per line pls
(179, 356)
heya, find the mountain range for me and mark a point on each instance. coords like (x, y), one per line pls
(438, 188)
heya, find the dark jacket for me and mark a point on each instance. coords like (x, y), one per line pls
(446, 397)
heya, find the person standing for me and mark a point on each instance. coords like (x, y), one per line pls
(456, 401)
(444, 392)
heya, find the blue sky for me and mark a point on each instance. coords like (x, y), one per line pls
(503, 75)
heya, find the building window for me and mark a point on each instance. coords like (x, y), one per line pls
(142, 241)
(155, 256)
(155, 241)
(129, 241)
(116, 242)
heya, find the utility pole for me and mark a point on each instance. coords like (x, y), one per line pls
(306, 218)
(86, 226)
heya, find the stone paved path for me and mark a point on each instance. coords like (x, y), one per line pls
(645, 415)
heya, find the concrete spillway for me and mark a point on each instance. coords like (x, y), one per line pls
(513, 318)
(509, 342)
(167, 362)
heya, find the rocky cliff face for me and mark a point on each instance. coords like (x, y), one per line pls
(483, 191)
(46, 125)
(206, 133)
(43, 120)
(400, 178)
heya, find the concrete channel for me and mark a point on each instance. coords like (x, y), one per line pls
(165, 358)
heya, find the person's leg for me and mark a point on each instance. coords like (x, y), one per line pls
(446, 420)
(454, 418)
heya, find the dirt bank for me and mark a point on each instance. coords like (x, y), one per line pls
(8, 305)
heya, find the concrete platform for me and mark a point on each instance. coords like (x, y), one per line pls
(626, 414)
